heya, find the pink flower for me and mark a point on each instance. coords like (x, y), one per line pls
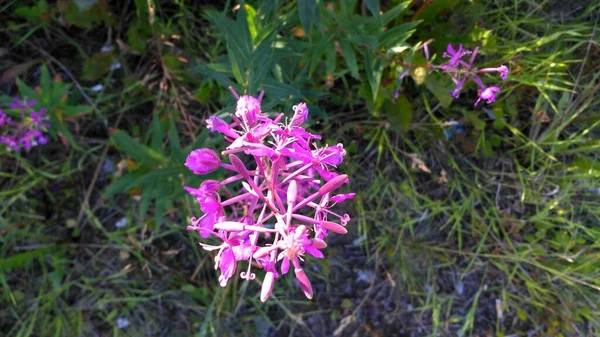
(3, 118)
(461, 70)
(293, 248)
(488, 94)
(205, 225)
(332, 155)
(454, 55)
(203, 161)
(24, 133)
(248, 108)
(215, 123)
(226, 262)
(39, 119)
(206, 195)
(21, 104)
(502, 70)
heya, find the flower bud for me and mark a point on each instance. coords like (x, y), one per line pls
(292, 192)
(267, 286)
(203, 161)
(300, 114)
(239, 166)
(230, 226)
(334, 227)
(304, 282)
(334, 184)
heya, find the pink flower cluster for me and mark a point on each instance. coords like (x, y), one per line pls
(460, 70)
(28, 131)
(277, 204)
(459, 67)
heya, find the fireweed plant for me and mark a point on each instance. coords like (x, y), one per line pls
(277, 204)
(459, 67)
(26, 132)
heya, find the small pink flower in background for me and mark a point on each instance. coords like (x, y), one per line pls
(488, 95)
(25, 132)
(275, 207)
(460, 71)
(460, 68)
(502, 70)
(455, 55)
(22, 105)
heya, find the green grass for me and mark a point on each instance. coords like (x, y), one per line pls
(492, 232)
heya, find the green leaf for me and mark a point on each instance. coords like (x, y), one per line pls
(364, 40)
(393, 13)
(275, 89)
(22, 259)
(306, 12)
(96, 66)
(251, 19)
(440, 88)
(399, 112)
(176, 151)
(156, 133)
(26, 91)
(72, 111)
(147, 196)
(330, 59)
(137, 178)
(86, 15)
(39, 13)
(373, 6)
(140, 153)
(45, 80)
(57, 126)
(216, 72)
(137, 35)
(347, 6)
(317, 50)
(201, 140)
(399, 34)
(239, 42)
(261, 64)
(374, 71)
(349, 57)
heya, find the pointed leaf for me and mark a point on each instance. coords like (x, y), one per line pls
(175, 143)
(399, 112)
(156, 133)
(393, 13)
(261, 64)
(349, 57)
(140, 153)
(373, 6)
(373, 73)
(306, 12)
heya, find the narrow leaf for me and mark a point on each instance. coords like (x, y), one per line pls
(306, 12)
(373, 73)
(373, 6)
(140, 153)
(393, 13)
(349, 57)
